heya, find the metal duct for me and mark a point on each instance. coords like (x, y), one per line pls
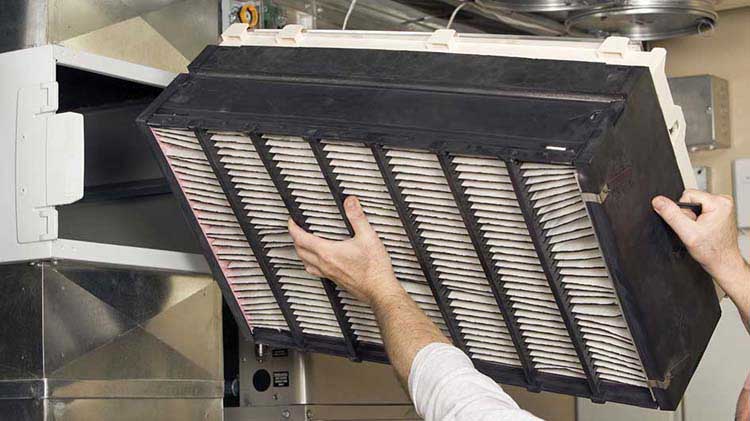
(536, 25)
(186, 26)
(514, 201)
(373, 14)
(646, 20)
(550, 5)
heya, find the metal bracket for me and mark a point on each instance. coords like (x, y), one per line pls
(596, 197)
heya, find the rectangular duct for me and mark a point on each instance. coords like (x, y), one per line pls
(513, 196)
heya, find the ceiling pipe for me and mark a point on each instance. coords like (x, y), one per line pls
(526, 22)
(535, 25)
(374, 14)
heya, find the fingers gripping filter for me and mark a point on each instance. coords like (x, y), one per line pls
(354, 171)
(510, 187)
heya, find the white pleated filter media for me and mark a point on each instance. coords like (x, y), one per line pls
(443, 236)
(447, 242)
(492, 199)
(357, 173)
(556, 198)
(268, 214)
(220, 228)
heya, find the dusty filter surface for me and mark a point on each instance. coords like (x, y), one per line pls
(432, 208)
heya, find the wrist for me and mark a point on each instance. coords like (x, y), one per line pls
(381, 282)
(729, 269)
(733, 276)
(387, 293)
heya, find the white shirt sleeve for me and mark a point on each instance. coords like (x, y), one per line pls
(445, 386)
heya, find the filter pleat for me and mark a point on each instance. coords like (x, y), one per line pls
(304, 180)
(357, 173)
(221, 229)
(268, 213)
(556, 198)
(520, 273)
(452, 254)
(446, 243)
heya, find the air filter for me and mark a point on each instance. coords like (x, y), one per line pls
(510, 181)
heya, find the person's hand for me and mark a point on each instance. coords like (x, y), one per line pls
(711, 238)
(360, 265)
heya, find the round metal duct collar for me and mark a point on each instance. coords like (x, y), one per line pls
(647, 20)
(549, 5)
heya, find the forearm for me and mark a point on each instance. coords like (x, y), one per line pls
(734, 278)
(743, 406)
(442, 381)
(404, 327)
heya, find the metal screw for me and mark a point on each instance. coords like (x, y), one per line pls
(275, 397)
(286, 414)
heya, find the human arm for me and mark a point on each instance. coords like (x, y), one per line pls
(361, 265)
(743, 403)
(442, 381)
(711, 239)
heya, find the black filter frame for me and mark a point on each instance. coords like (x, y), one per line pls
(605, 120)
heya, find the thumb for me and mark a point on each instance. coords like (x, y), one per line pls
(673, 216)
(356, 216)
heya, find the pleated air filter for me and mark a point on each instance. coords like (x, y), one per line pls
(510, 186)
